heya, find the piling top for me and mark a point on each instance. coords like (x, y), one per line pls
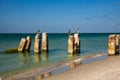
(37, 36)
(114, 35)
(28, 37)
(76, 35)
(71, 36)
(23, 39)
(44, 33)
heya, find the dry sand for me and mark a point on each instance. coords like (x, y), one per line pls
(108, 69)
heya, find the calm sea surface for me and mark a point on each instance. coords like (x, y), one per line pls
(14, 63)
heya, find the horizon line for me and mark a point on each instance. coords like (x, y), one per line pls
(60, 33)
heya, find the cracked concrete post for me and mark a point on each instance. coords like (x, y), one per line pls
(37, 43)
(44, 41)
(71, 45)
(28, 43)
(76, 43)
(113, 44)
(22, 45)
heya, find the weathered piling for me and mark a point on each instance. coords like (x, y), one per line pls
(71, 45)
(28, 43)
(22, 45)
(44, 41)
(76, 43)
(117, 44)
(37, 43)
(113, 44)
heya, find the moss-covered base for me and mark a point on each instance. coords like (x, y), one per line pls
(13, 50)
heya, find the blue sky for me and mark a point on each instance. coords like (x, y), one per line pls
(57, 16)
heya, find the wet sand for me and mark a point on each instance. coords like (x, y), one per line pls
(59, 68)
(108, 69)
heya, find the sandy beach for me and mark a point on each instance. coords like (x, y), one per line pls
(108, 69)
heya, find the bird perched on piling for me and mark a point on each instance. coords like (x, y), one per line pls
(69, 32)
(38, 31)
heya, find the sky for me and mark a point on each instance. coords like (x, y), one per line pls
(58, 16)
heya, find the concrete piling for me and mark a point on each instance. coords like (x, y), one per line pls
(117, 44)
(76, 43)
(71, 45)
(22, 45)
(28, 43)
(44, 41)
(113, 44)
(37, 43)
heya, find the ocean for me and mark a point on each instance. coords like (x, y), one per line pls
(13, 63)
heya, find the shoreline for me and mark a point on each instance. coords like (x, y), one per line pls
(58, 68)
(108, 69)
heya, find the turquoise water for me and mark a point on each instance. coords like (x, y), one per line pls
(11, 64)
